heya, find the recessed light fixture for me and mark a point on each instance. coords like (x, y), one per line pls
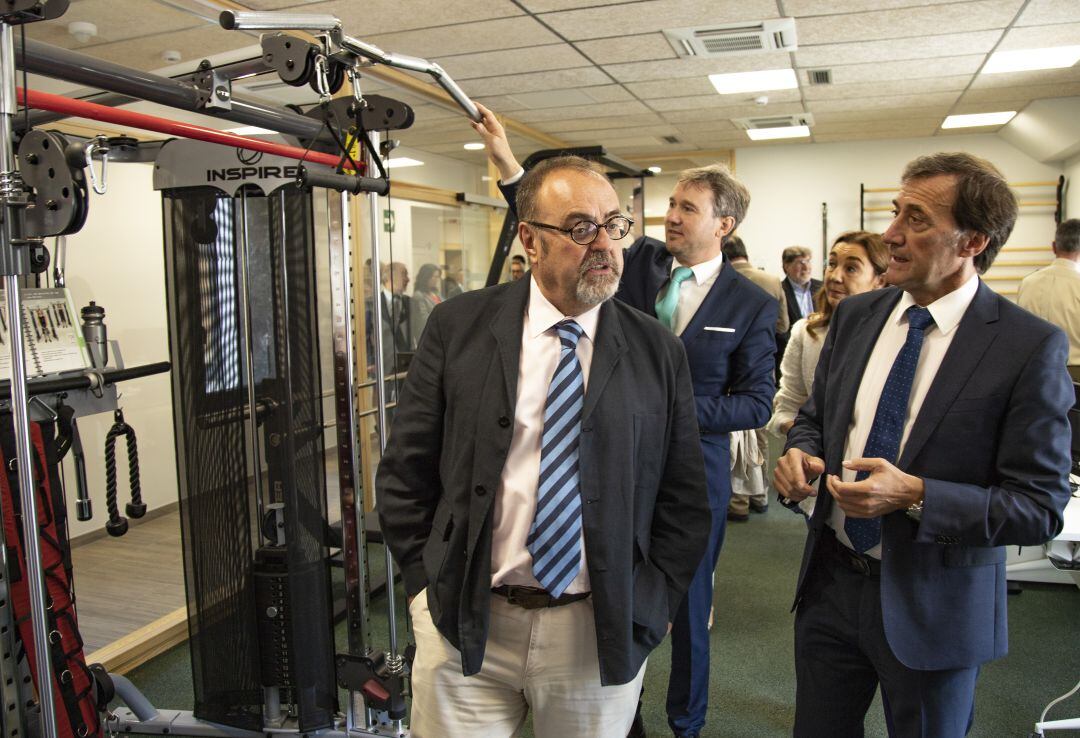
(978, 119)
(402, 162)
(249, 131)
(769, 79)
(1027, 60)
(83, 31)
(474, 146)
(655, 169)
(768, 134)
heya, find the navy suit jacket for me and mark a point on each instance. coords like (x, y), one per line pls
(991, 443)
(730, 344)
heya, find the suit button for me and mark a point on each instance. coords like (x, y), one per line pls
(504, 422)
(480, 490)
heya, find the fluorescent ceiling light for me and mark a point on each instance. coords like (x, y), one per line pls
(768, 134)
(474, 146)
(249, 131)
(1026, 60)
(770, 79)
(403, 161)
(978, 119)
(655, 170)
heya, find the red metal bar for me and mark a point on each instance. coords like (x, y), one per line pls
(93, 111)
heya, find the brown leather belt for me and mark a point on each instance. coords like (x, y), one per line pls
(847, 557)
(532, 598)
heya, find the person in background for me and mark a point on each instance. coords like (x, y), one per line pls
(857, 264)
(517, 267)
(454, 283)
(936, 434)
(749, 448)
(1053, 292)
(424, 299)
(799, 286)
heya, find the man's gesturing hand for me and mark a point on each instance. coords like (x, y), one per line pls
(794, 472)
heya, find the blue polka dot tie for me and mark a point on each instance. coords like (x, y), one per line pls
(554, 539)
(669, 303)
(888, 428)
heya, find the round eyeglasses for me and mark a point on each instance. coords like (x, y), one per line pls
(585, 232)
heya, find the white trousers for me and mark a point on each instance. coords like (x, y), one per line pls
(544, 660)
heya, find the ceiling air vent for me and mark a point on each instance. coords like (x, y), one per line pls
(734, 38)
(820, 76)
(775, 121)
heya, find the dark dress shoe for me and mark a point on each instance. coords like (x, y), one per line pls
(738, 517)
(758, 507)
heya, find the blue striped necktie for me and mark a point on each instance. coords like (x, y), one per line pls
(888, 428)
(554, 537)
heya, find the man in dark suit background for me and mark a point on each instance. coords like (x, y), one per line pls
(938, 422)
(799, 287)
(523, 422)
(726, 325)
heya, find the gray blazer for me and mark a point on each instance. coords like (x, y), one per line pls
(645, 514)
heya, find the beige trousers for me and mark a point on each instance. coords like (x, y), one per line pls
(542, 660)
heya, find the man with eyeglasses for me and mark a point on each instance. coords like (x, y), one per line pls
(546, 513)
(726, 325)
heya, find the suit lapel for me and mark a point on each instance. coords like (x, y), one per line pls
(725, 288)
(607, 351)
(863, 339)
(973, 337)
(659, 274)
(506, 327)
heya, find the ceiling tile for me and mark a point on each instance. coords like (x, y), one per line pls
(924, 47)
(608, 93)
(964, 108)
(547, 6)
(532, 59)
(556, 127)
(835, 7)
(365, 19)
(720, 126)
(530, 82)
(739, 111)
(905, 126)
(680, 87)
(897, 102)
(697, 102)
(895, 24)
(1026, 93)
(882, 114)
(1033, 37)
(914, 69)
(603, 134)
(193, 44)
(580, 111)
(891, 87)
(863, 136)
(115, 21)
(1020, 79)
(1046, 12)
(645, 17)
(550, 99)
(467, 38)
(627, 48)
(674, 68)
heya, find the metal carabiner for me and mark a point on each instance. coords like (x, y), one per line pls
(99, 143)
(322, 78)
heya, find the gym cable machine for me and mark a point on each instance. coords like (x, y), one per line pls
(374, 680)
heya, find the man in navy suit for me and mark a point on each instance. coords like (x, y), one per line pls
(938, 425)
(726, 324)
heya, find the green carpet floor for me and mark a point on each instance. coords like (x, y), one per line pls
(753, 680)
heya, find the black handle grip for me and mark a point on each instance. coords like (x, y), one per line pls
(342, 182)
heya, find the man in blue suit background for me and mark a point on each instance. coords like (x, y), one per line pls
(726, 324)
(938, 421)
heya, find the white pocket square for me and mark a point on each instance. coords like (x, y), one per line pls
(719, 329)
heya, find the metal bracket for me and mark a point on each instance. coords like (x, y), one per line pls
(216, 88)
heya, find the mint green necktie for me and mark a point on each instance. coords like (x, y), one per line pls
(666, 305)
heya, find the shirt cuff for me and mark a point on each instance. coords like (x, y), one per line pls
(515, 179)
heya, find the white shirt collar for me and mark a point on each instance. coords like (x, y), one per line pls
(543, 315)
(804, 288)
(704, 271)
(946, 310)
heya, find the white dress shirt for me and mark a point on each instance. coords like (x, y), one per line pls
(692, 292)
(515, 500)
(947, 312)
(804, 297)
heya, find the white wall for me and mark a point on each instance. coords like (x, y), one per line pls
(117, 260)
(1072, 187)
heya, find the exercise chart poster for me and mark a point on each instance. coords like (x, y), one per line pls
(52, 336)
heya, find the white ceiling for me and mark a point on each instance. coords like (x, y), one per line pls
(600, 71)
